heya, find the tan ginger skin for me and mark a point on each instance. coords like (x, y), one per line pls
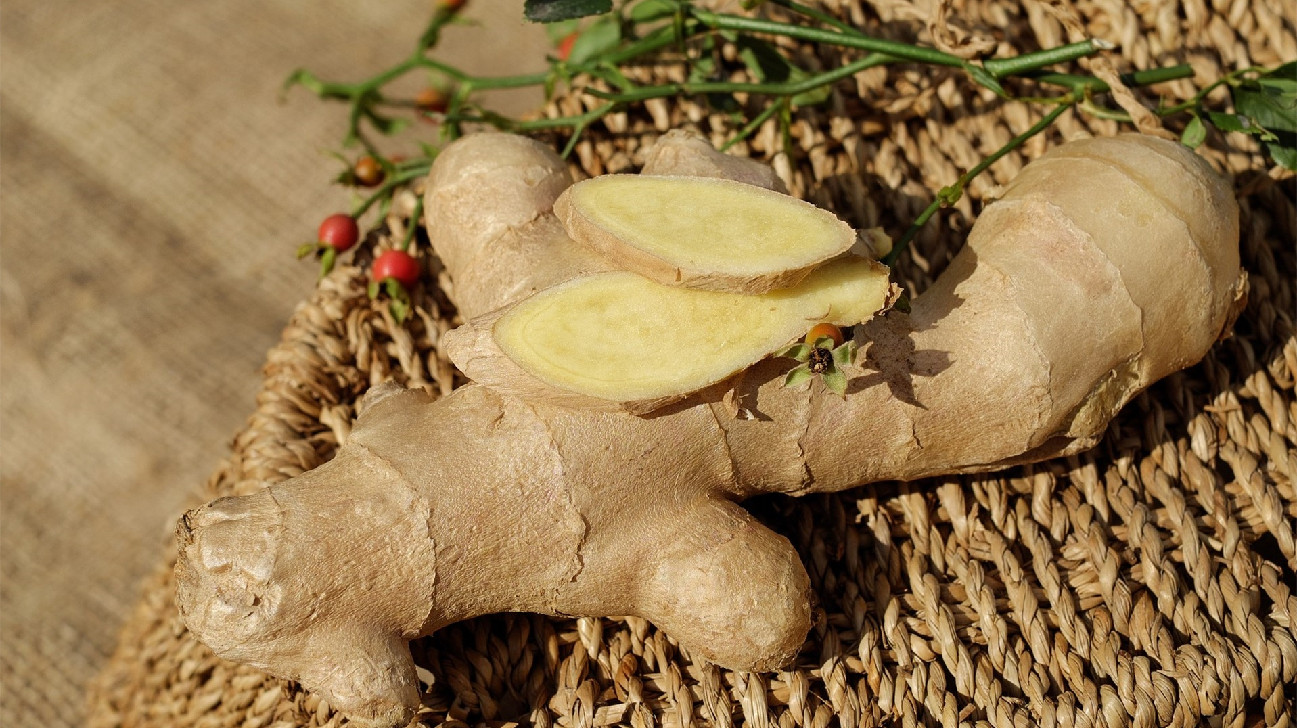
(1108, 264)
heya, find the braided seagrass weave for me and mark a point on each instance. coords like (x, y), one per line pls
(1148, 582)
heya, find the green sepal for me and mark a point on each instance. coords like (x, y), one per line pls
(1194, 134)
(552, 11)
(306, 249)
(797, 376)
(400, 310)
(394, 289)
(836, 381)
(843, 355)
(800, 351)
(824, 342)
(372, 290)
(327, 258)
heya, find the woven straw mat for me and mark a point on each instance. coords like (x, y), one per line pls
(1149, 582)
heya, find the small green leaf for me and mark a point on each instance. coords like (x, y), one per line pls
(1282, 79)
(552, 11)
(387, 126)
(650, 10)
(1285, 157)
(836, 381)
(797, 376)
(763, 61)
(1228, 122)
(372, 290)
(602, 36)
(305, 79)
(560, 30)
(306, 249)
(1195, 133)
(767, 64)
(800, 351)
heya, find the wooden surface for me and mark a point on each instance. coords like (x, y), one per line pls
(153, 191)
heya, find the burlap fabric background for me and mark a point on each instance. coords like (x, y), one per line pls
(153, 191)
(1147, 583)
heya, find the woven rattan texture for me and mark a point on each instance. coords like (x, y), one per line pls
(1146, 583)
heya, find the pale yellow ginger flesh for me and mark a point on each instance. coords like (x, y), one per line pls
(623, 338)
(1107, 264)
(708, 233)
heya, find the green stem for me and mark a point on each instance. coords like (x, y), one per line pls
(791, 88)
(817, 15)
(950, 195)
(1018, 65)
(757, 121)
(1074, 82)
(389, 185)
(897, 49)
(413, 223)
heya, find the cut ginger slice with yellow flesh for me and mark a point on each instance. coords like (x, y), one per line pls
(708, 233)
(619, 341)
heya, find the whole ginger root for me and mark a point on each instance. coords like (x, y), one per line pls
(1108, 263)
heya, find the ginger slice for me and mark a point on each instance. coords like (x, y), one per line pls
(713, 234)
(619, 341)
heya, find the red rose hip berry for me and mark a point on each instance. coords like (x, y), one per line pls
(339, 232)
(398, 265)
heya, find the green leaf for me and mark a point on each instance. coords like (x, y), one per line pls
(800, 351)
(552, 11)
(1283, 156)
(1282, 79)
(764, 61)
(1195, 133)
(1228, 122)
(1269, 104)
(372, 290)
(306, 249)
(560, 30)
(1272, 111)
(797, 376)
(650, 10)
(767, 64)
(836, 381)
(602, 36)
